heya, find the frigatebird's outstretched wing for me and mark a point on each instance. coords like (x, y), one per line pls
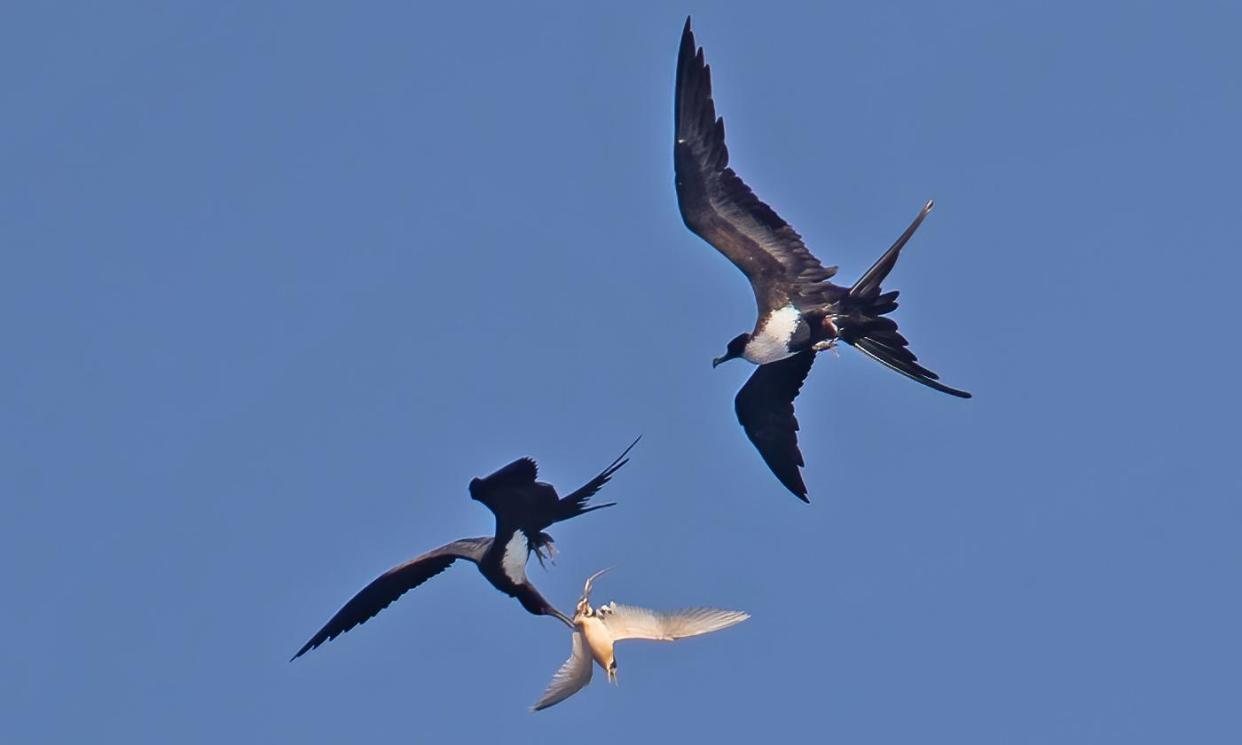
(394, 583)
(765, 409)
(716, 205)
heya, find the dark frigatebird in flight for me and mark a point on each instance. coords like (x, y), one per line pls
(800, 311)
(523, 508)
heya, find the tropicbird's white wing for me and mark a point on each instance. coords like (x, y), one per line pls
(630, 622)
(573, 675)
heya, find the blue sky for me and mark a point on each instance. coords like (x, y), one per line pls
(279, 280)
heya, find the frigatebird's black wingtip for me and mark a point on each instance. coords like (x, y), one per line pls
(792, 480)
(765, 409)
(308, 646)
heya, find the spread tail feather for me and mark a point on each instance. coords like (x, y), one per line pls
(866, 329)
(576, 503)
(868, 285)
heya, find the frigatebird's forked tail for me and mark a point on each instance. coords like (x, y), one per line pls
(576, 503)
(865, 327)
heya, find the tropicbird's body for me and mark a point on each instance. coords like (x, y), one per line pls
(597, 630)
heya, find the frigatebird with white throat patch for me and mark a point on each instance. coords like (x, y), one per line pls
(523, 508)
(800, 311)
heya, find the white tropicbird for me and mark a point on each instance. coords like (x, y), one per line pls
(597, 629)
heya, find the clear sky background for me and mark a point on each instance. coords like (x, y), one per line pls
(278, 280)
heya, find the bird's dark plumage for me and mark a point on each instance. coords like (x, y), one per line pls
(523, 508)
(392, 584)
(516, 475)
(765, 409)
(800, 310)
(876, 336)
(520, 502)
(575, 503)
(719, 207)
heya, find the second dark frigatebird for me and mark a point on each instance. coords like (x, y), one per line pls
(523, 508)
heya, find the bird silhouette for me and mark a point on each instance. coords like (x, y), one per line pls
(523, 508)
(800, 312)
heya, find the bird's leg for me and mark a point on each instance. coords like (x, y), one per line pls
(831, 332)
(545, 544)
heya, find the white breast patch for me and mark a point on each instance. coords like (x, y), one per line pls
(513, 563)
(772, 341)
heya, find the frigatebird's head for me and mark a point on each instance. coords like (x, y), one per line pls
(480, 493)
(735, 349)
(496, 491)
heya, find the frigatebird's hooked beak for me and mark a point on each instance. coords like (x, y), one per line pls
(734, 349)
